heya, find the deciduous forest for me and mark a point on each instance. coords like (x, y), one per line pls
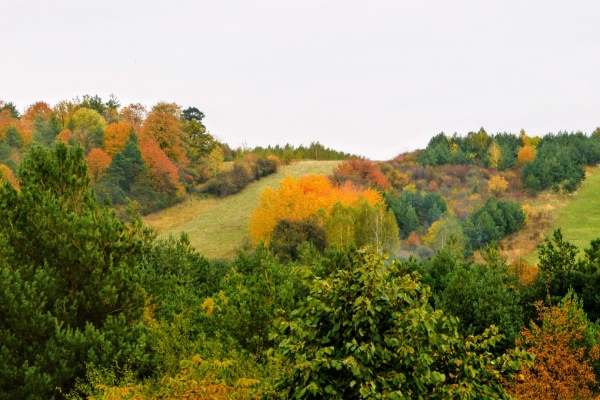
(399, 279)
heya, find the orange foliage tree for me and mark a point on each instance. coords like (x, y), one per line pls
(6, 121)
(562, 369)
(497, 185)
(297, 199)
(527, 153)
(64, 136)
(116, 136)
(24, 128)
(526, 272)
(413, 240)
(363, 171)
(6, 175)
(163, 174)
(39, 108)
(163, 125)
(97, 161)
(134, 115)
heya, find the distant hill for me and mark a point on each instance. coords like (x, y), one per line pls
(218, 227)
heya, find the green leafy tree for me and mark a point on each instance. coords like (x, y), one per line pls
(252, 295)
(70, 278)
(368, 332)
(45, 132)
(288, 235)
(482, 295)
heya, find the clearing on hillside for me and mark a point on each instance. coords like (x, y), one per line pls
(218, 227)
(579, 219)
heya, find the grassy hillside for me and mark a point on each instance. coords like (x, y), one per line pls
(217, 227)
(579, 218)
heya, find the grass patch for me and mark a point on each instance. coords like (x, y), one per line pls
(218, 227)
(579, 218)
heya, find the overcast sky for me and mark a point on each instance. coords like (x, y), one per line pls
(369, 77)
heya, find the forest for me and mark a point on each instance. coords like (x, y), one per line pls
(383, 280)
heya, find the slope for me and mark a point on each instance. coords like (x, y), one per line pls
(218, 227)
(579, 218)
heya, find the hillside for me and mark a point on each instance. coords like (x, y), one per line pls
(579, 217)
(217, 227)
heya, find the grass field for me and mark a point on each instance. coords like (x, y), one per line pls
(218, 227)
(579, 218)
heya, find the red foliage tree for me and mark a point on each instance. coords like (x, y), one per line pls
(363, 171)
(163, 174)
(163, 126)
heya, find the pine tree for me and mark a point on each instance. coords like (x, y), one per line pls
(70, 278)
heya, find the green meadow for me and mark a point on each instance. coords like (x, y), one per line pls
(579, 218)
(218, 227)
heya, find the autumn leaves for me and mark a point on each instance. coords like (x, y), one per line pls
(347, 212)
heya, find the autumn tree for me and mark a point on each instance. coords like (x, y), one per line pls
(64, 136)
(446, 233)
(163, 125)
(497, 185)
(361, 171)
(40, 108)
(162, 173)
(494, 155)
(215, 161)
(527, 153)
(97, 161)
(7, 175)
(134, 115)
(64, 111)
(301, 198)
(565, 346)
(116, 136)
(88, 128)
(376, 226)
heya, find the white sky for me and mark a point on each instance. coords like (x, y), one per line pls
(369, 77)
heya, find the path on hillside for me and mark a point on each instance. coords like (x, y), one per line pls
(218, 227)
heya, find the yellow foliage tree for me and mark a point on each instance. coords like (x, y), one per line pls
(527, 153)
(497, 185)
(296, 199)
(495, 155)
(215, 160)
(116, 136)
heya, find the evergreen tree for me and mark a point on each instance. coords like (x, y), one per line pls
(70, 286)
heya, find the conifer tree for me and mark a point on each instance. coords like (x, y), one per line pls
(70, 278)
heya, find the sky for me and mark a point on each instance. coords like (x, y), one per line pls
(374, 78)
